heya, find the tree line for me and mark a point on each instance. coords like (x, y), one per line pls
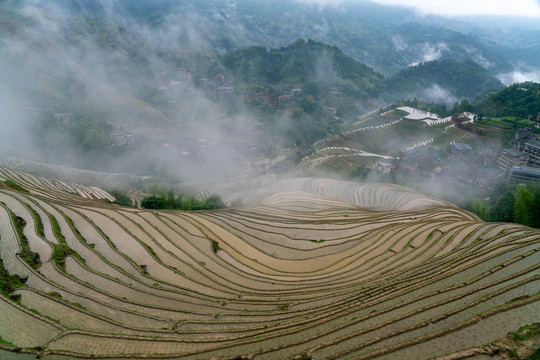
(519, 100)
(511, 203)
(170, 200)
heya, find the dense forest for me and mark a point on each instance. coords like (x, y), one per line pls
(387, 38)
(313, 66)
(511, 203)
(519, 100)
(460, 79)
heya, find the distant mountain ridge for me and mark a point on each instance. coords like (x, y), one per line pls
(156, 68)
(383, 37)
(320, 68)
(458, 79)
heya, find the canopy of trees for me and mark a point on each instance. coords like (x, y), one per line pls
(172, 201)
(521, 100)
(460, 78)
(314, 66)
(511, 203)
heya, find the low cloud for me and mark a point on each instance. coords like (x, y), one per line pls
(477, 57)
(399, 43)
(429, 52)
(320, 3)
(527, 8)
(520, 75)
(433, 52)
(439, 94)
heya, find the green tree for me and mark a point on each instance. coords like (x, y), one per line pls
(503, 210)
(121, 198)
(481, 209)
(171, 199)
(214, 202)
(523, 206)
(151, 202)
(527, 206)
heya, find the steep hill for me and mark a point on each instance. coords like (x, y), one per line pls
(311, 65)
(318, 68)
(453, 80)
(521, 100)
(386, 38)
(305, 268)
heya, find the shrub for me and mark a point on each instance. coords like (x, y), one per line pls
(121, 198)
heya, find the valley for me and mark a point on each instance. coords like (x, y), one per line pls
(249, 179)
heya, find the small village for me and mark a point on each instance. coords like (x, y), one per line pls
(460, 163)
(258, 152)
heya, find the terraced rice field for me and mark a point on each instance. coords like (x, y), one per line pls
(68, 179)
(377, 136)
(306, 267)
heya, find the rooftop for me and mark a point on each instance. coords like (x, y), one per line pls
(526, 170)
(513, 152)
(459, 146)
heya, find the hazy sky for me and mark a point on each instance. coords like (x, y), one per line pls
(529, 8)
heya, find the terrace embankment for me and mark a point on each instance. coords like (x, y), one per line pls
(299, 268)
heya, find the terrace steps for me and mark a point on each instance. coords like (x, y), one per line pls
(304, 266)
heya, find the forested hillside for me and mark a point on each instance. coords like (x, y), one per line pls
(311, 65)
(386, 38)
(192, 73)
(521, 100)
(459, 79)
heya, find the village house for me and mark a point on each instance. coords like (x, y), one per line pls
(532, 149)
(409, 159)
(523, 174)
(220, 80)
(225, 92)
(522, 137)
(285, 97)
(258, 128)
(461, 173)
(296, 92)
(386, 167)
(184, 73)
(488, 177)
(511, 157)
(461, 151)
(490, 154)
(331, 110)
(118, 138)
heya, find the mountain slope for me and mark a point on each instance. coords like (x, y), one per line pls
(461, 79)
(304, 63)
(520, 100)
(385, 38)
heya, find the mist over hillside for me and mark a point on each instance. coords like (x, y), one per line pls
(199, 89)
(233, 179)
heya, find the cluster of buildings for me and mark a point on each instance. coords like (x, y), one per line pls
(522, 161)
(462, 164)
(221, 88)
(265, 97)
(118, 136)
(174, 82)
